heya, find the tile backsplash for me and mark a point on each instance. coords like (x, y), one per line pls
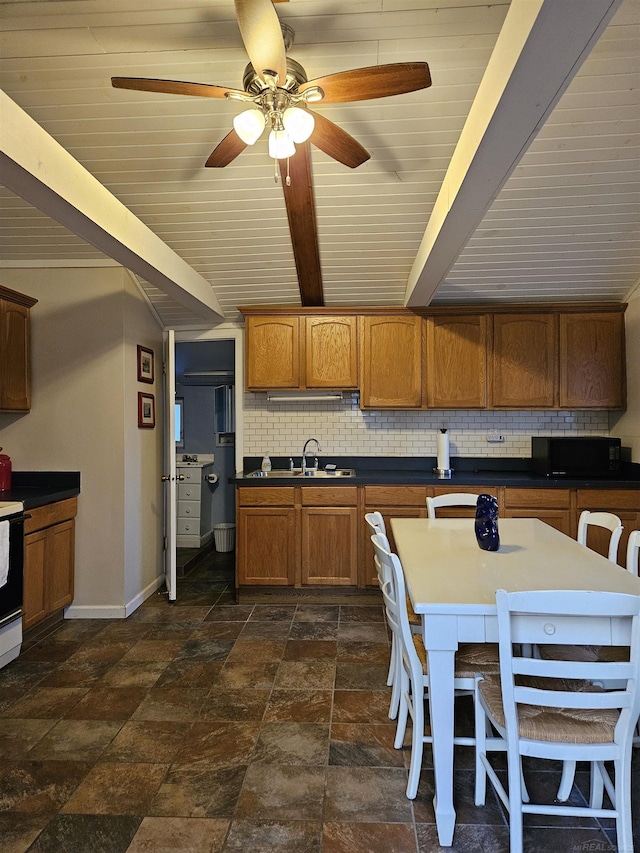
(344, 430)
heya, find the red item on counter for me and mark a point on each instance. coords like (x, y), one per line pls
(5, 472)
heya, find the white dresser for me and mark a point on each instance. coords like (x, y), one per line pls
(194, 525)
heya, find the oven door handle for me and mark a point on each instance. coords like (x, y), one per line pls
(19, 518)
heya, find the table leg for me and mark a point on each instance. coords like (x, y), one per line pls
(441, 663)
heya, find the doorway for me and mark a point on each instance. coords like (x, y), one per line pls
(208, 447)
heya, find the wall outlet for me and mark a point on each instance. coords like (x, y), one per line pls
(495, 437)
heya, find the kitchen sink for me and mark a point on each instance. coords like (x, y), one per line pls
(339, 472)
(278, 473)
(298, 472)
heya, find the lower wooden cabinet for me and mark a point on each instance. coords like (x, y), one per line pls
(49, 550)
(306, 536)
(553, 506)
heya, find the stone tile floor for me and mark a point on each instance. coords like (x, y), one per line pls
(211, 727)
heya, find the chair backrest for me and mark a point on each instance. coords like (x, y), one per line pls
(453, 499)
(376, 523)
(633, 546)
(567, 618)
(607, 520)
(394, 594)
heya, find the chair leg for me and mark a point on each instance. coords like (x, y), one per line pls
(392, 661)
(403, 707)
(481, 730)
(417, 744)
(514, 773)
(622, 769)
(566, 780)
(396, 663)
(596, 786)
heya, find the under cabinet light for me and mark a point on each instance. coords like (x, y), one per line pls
(303, 397)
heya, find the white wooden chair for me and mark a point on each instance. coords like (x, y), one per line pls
(453, 499)
(411, 662)
(633, 546)
(607, 520)
(549, 708)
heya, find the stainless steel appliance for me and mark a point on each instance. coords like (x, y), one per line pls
(579, 456)
(11, 513)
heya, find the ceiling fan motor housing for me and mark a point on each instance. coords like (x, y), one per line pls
(296, 76)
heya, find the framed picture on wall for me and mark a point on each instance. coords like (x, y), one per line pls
(146, 410)
(145, 364)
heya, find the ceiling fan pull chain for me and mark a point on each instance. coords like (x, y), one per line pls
(288, 175)
(275, 171)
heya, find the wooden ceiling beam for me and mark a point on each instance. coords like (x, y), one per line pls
(540, 48)
(38, 169)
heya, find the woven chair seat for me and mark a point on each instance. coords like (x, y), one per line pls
(471, 658)
(554, 725)
(414, 619)
(588, 654)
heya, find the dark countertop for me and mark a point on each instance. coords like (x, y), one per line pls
(38, 488)
(467, 471)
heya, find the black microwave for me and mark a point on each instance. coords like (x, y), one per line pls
(583, 456)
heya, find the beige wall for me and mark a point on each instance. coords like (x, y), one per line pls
(85, 329)
(626, 425)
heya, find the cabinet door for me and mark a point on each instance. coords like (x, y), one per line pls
(265, 550)
(524, 361)
(15, 382)
(272, 352)
(391, 363)
(60, 565)
(457, 362)
(592, 364)
(331, 352)
(34, 601)
(329, 546)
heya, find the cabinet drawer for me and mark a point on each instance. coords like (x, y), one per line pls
(187, 526)
(608, 499)
(329, 496)
(188, 509)
(190, 475)
(552, 498)
(267, 496)
(395, 495)
(188, 491)
(45, 516)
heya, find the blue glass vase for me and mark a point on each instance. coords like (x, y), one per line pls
(486, 524)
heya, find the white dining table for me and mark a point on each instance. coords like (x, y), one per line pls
(452, 582)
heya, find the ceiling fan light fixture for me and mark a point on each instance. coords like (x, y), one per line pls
(281, 145)
(298, 123)
(249, 125)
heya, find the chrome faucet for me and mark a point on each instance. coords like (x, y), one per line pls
(304, 453)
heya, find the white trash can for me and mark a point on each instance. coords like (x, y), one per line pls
(224, 536)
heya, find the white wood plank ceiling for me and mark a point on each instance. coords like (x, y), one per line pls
(563, 227)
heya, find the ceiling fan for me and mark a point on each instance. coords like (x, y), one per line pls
(278, 94)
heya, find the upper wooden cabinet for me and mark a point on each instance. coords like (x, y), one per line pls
(293, 353)
(15, 364)
(391, 362)
(592, 362)
(457, 361)
(527, 357)
(524, 361)
(331, 352)
(272, 352)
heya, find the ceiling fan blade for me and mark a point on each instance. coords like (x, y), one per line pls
(301, 213)
(379, 81)
(260, 30)
(172, 87)
(226, 151)
(337, 143)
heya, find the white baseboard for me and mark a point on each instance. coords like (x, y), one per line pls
(91, 611)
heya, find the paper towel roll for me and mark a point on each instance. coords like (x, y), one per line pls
(442, 445)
